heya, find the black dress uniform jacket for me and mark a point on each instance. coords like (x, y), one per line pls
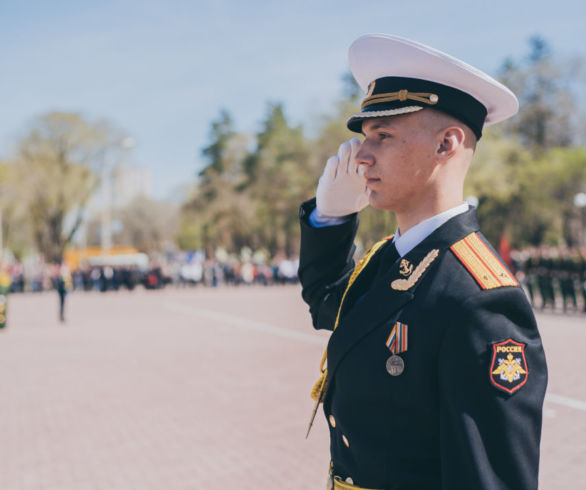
(442, 423)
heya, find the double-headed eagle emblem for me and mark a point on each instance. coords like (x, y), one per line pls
(510, 369)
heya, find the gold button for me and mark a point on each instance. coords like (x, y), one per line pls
(433, 98)
(345, 439)
(350, 481)
(332, 421)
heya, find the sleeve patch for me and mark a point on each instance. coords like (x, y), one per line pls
(508, 368)
(482, 263)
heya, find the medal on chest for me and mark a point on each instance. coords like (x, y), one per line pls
(397, 343)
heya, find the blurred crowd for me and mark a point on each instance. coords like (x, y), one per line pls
(554, 277)
(196, 271)
(214, 273)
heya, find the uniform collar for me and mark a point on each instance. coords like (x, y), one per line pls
(415, 235)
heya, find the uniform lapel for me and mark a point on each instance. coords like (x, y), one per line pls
(392, 288)
(380, 262)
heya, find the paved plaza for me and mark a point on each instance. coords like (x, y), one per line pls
(185, 389)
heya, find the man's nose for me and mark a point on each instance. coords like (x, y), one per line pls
(364, 156)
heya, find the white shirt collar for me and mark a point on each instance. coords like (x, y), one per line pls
(415, 235)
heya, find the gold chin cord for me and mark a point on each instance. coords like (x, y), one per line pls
(401, 96)
(318, 392)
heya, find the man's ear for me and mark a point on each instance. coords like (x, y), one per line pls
(450, 139)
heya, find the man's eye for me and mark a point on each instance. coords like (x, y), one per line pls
(383, 136)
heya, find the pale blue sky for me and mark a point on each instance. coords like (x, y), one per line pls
(162, 70)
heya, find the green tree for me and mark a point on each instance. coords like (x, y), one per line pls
(57, 169)
(279, 175)
(529, 198)
(221, 132)
(15, 231)
(546, 86)
(218, 211)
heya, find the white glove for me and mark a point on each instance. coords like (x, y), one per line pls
(342, 187)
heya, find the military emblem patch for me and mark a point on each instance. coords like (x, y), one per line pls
(508, 369)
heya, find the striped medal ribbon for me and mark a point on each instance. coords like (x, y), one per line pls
(397, 343)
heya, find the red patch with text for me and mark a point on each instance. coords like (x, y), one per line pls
(508, 369)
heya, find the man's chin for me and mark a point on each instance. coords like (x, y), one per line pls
(377, 201)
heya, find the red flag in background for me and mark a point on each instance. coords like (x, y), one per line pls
(505, 252)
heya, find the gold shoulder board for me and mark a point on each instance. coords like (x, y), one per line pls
(482, 263)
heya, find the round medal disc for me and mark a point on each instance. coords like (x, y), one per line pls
(395, 365)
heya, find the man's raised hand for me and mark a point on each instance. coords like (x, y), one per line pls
(342, 187)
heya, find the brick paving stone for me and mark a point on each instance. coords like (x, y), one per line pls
(200, 389)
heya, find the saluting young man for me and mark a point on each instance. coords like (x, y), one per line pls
(435, 372)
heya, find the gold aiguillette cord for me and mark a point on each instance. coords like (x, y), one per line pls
(319, 390)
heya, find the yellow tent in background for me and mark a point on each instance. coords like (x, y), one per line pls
(73, 258)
